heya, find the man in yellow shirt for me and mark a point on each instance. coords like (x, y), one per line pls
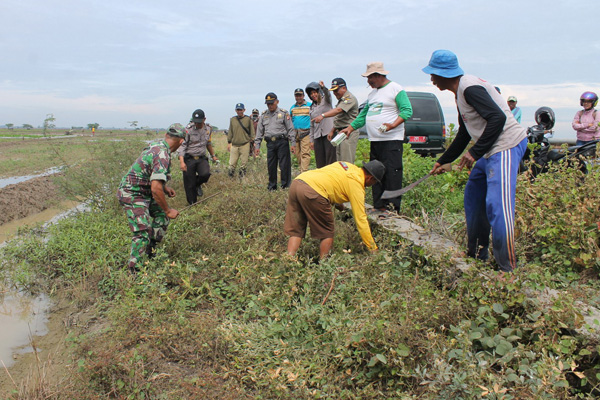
(313, 192)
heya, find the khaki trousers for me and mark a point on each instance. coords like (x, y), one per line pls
(303, 153)
(239, 153)
(346, 151)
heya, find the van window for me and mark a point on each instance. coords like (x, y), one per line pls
(425, 110)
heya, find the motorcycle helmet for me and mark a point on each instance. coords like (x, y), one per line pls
(544, 116)
(312, 86)
(589, 96)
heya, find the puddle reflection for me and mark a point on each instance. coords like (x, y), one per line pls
(18, 179)
(21, 316)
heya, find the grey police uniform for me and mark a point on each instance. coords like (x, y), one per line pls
(277, 130)
(193, 151)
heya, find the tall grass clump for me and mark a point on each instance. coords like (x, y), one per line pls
(97, 178)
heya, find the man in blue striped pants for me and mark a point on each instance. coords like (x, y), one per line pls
(499, 144)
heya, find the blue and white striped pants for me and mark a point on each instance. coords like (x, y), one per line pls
(490, 204)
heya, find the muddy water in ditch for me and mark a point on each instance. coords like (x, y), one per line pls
(23, 316)
(10, 229)
(20, 179)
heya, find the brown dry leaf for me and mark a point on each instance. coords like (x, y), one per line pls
(292, 377)
(275, 373)
(498, 390)
(485, 392)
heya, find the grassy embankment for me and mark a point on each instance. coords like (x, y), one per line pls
(35, 153)
(221, 313)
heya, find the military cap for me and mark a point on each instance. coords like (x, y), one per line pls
(176, 130)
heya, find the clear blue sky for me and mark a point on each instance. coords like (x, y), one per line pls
(156, 61)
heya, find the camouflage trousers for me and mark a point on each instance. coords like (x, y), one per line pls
(148, 223)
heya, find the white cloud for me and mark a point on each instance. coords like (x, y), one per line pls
(112, 56)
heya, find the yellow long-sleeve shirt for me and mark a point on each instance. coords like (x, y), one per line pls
(341, 182)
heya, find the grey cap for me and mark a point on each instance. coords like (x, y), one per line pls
(376, 169)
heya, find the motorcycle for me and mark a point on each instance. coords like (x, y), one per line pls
(543, 155)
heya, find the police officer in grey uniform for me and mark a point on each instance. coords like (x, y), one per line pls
(193, 158)
(276, 128)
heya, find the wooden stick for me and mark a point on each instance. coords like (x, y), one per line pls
(198, 202)
(9, 375)
(330, 289)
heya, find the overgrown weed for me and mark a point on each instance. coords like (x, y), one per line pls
(222, 313)
(558, 215)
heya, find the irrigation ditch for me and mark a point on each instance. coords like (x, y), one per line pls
(32, 323)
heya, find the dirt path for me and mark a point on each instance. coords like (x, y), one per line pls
(27, 198)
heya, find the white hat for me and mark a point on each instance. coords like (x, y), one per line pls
(375, 67)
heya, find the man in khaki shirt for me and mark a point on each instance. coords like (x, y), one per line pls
(239, 137)
(344, 112)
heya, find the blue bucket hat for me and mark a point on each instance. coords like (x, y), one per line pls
(444, 63)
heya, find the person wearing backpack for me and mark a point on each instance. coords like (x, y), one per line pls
(239, 136)
(587, 121)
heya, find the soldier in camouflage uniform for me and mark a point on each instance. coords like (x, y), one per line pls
(142, 195)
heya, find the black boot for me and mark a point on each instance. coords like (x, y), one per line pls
(151, 249)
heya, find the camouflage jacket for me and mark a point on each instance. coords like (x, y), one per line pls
(153, 164)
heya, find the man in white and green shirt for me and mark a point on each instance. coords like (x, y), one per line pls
(384, 114)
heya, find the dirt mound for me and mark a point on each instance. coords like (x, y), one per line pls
(30, 197)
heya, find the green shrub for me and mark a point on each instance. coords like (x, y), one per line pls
(557, 219)
(221, 312)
